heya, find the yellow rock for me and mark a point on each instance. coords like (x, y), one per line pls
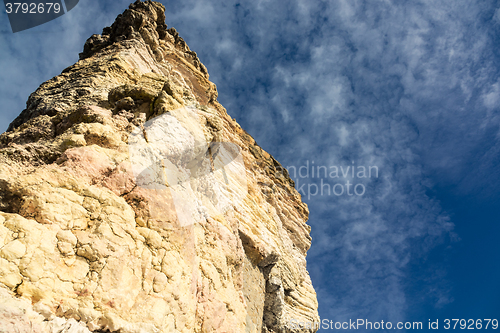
(13, 250)
(154, 214)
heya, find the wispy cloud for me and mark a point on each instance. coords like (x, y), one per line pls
(392, 84)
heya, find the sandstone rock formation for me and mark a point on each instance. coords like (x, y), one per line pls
(131, 202)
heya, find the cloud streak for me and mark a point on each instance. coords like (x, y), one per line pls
(392, 84)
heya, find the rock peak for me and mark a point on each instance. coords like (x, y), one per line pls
(130, 201)
(145, 22)
(142, 28)
(142, 20)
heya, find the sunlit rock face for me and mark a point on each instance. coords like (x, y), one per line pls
(131, 202)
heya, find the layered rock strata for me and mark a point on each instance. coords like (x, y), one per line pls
(131, 202)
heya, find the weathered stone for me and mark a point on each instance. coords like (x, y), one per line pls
(212, 239)
(126, 103)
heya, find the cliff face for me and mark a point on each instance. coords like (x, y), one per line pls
(131, 202)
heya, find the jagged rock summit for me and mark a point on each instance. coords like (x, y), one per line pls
(131, 202)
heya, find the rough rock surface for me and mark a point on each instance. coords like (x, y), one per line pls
(85, 245)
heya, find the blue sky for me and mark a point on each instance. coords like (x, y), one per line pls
(410, 87)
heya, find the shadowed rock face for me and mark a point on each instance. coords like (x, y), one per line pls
(131, 202)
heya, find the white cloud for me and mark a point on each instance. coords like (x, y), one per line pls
(496, 17)
(492, 97)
